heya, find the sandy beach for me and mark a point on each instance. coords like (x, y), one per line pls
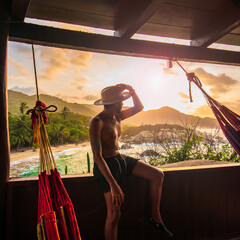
(28, 153)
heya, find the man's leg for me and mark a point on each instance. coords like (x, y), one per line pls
(156, 177)
(113, 216)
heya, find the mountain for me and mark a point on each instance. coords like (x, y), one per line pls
(14, 99)
(170, 116)
(159, 116)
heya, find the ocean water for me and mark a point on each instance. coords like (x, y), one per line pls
(75, 159)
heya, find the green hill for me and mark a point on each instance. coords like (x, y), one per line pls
(159, 116)
(14, 99)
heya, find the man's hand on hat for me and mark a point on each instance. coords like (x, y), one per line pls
(126, 87)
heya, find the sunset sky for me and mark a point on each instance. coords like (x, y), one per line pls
(78, 76)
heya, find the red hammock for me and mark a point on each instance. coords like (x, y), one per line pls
(56, 215)
(227, 119)
(63, 206)
(47, 224)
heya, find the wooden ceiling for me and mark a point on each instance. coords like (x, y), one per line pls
(202, 22)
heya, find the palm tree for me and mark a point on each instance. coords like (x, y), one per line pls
(20, 131)
(65, 111)
(23, 106)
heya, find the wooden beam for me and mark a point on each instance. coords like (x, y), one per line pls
(19, 9)
(131, 15)
(4, 137)
(49, 36)
(225, 19)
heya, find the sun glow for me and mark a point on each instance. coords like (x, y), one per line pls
(158, 86)
(155, 87)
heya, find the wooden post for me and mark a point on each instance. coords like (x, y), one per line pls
(4, 138)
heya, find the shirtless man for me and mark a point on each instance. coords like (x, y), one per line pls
(110, 167)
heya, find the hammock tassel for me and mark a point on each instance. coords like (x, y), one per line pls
(39, 110)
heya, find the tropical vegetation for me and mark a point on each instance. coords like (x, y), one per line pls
(63, 127)
(172, 143)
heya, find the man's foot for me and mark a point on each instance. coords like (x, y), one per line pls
(159, 226)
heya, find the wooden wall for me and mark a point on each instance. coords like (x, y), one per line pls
(196, 204)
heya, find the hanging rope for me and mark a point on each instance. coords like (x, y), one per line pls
(38, 112)
(192, 78)
(35, 72)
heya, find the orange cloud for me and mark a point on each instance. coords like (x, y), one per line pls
(21, 69)
(91, 97)
(81, 80)
(79, 87)
(206, 111)
(189, 108)
(218, 84)
(68, 98)
(80, 59)
(170, 71)
(57, 60)
(203, 111)
(183, 95)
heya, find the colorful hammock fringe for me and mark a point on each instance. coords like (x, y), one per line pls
(228, 120)
(56, 215)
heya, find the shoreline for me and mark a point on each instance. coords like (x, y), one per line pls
(24, 154)
(29, 152)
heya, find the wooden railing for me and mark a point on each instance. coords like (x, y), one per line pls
(196, 204)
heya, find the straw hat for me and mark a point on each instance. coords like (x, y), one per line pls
(111, 95)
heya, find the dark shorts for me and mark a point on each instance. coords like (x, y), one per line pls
(120, 166)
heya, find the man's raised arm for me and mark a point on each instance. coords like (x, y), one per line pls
(138, 107)
(95, 140)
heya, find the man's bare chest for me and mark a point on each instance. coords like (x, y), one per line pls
(111, 129)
